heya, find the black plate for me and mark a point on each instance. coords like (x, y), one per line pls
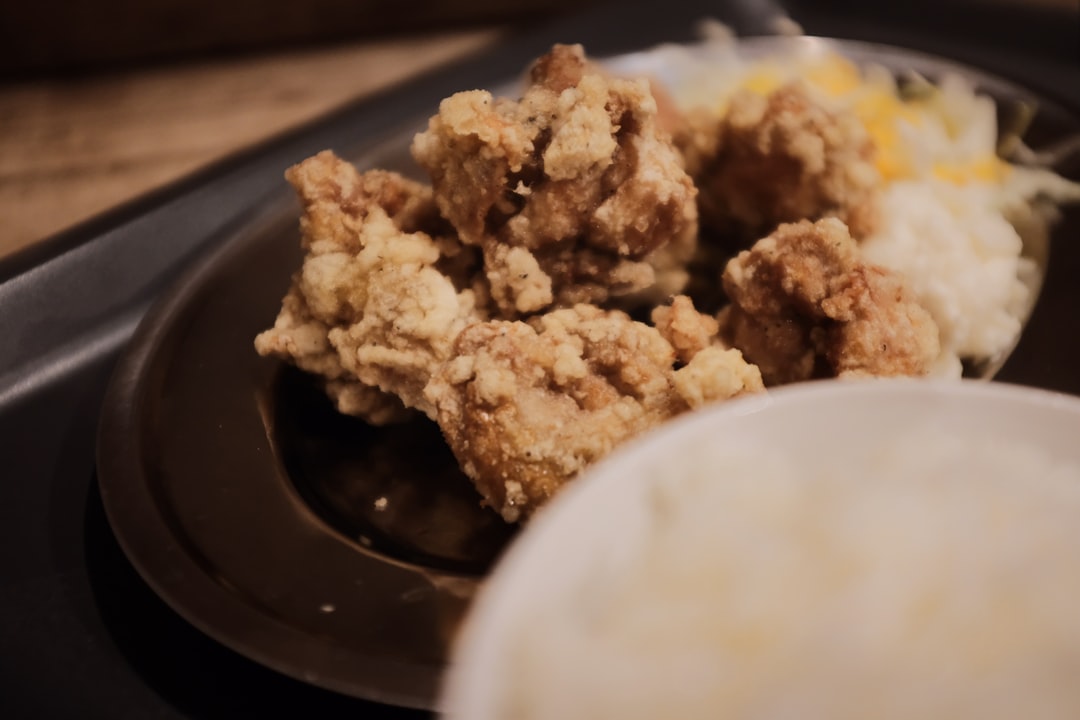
(223, 473)
(258, 513)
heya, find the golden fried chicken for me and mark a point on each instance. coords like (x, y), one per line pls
(688, 331)
(781, 158)
(804, 305)
(298, 337)
(568, 192)
(526, 406)
(374, 308)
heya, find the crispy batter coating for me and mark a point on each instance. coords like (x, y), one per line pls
(526, 406)
(688, 331)
(804, 305)
(371, 308)
(301, 339)
(781, 158)
(568, 192)
(386, 311)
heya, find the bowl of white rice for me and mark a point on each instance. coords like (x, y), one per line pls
(837, 549)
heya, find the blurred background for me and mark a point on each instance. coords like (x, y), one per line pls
(102, 101)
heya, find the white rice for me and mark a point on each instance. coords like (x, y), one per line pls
(763, 588)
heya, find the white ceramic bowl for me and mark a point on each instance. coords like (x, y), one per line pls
(889, 548)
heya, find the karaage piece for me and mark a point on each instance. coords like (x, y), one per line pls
(781, 157)
(370, 309)
(568, 191)
(688, 330)
(804, 305)
(710, 371)
(526, 406)
(298, 337)
(716, 373)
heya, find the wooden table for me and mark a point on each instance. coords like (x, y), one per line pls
(70, 149)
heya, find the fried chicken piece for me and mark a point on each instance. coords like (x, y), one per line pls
(781, 158)
(526, 406)
(805, 305)
(568, 192)
(298, 337)
(688, 330)
(370, 309)
(710, 369)
(716, 373)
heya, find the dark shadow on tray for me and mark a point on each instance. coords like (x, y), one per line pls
(187, 669)
(395, 489)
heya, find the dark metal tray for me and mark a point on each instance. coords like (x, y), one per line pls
(83, 636)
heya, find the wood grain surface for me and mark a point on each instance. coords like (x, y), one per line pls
(71, 148)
